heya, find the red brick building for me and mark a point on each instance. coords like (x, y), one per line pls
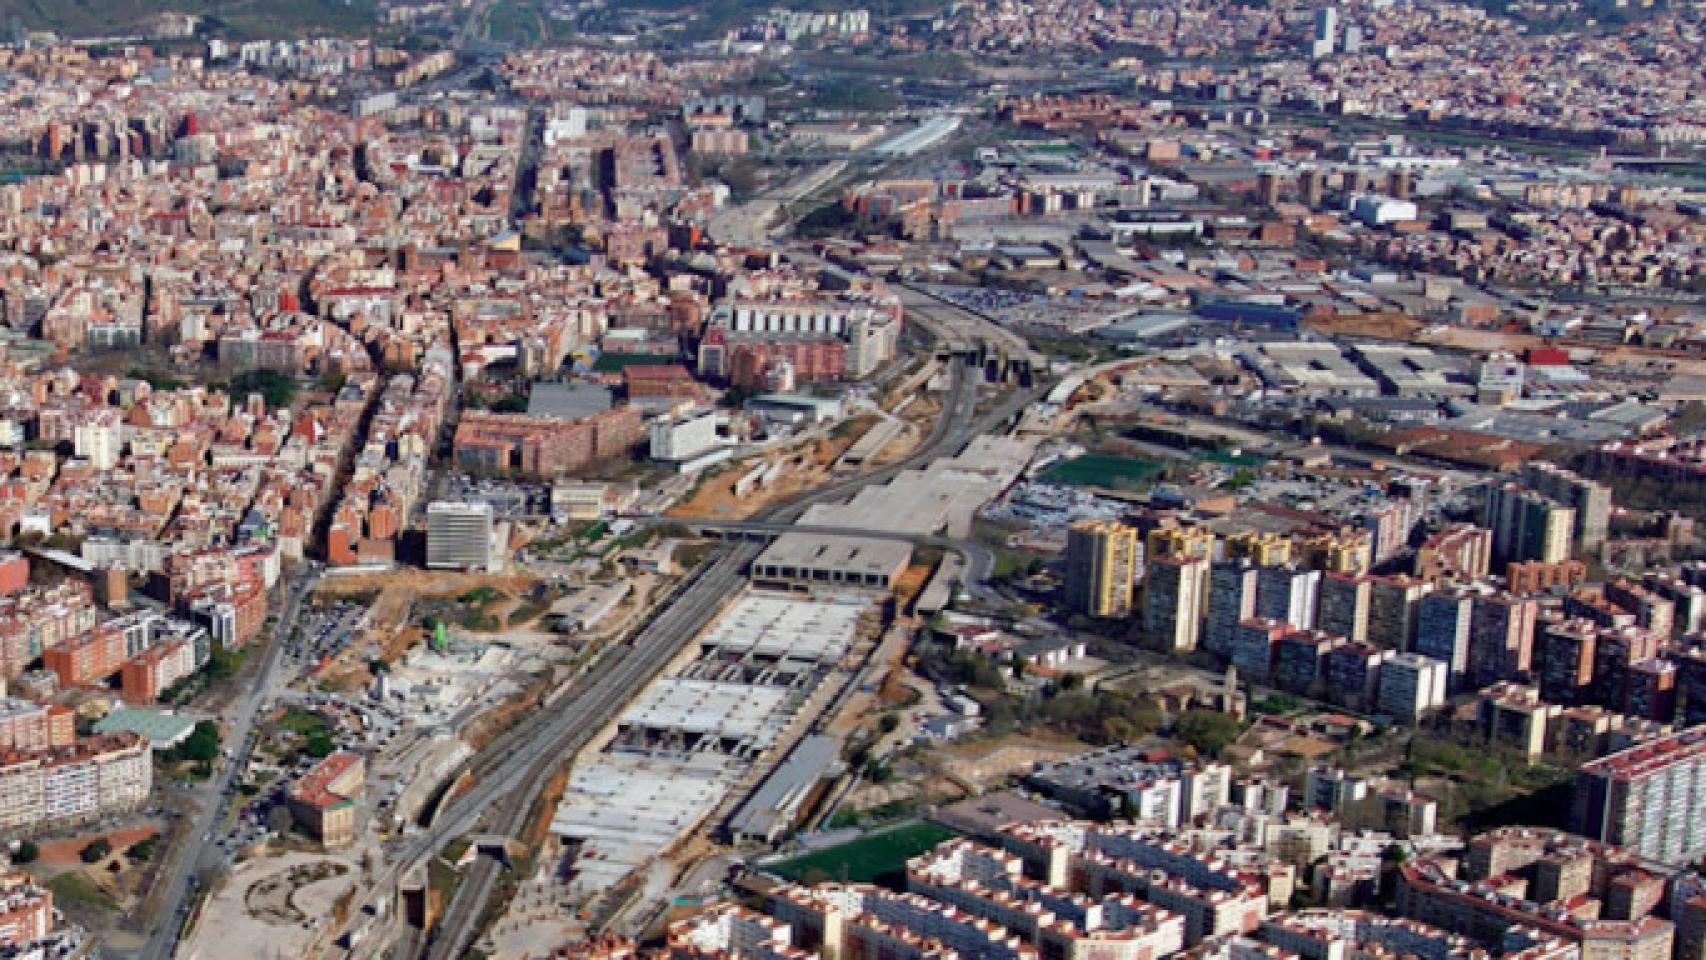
(340, 551)
(541, 447)
(664, 384)
(814, 361)
(145, 675)
(14, 573)
(87, 658)
(1534, 576)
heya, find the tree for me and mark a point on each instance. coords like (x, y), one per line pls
(279, 819)
(222, 662)
(158, 381)
(202, 745)
(736, 396)
(1128, 808)
(878, 771)
(274, 387)
(319, 745)
(142, 851)
(976, 670)
(28, 852)
(1209, 731)
(97, 851)
(1118, 730)
(827, 220)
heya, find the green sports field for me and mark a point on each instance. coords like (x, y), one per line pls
(865, 859)
(615, 362)
(1098, 470)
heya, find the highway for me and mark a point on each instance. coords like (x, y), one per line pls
(966, 325)
(196, 851)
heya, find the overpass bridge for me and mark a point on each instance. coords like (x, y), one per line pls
(1000, 353)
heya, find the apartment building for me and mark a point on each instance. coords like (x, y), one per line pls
(1649, 799)
(1528, 525)
(27, 726)
(1411, 685)
(92, 777)
(1173, 601)
(1102, 561)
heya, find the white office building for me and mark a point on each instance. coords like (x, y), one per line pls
(687, 439)
(462, 536)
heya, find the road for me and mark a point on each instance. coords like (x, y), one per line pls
(950, 433)
(527, 166)
(197, 853)
(753, 224)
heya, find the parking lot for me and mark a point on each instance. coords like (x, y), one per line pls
(354, 724)
(510, 500)
(323, 633)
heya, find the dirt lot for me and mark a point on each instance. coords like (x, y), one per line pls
(1381, 327)
(275, 901)
(101, 895)
(921, 414)
(394, 596)
(405, 585)
(66, 852)
(807, 468)
(1015, 753)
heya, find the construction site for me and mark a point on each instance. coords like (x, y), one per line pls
(693, 740)
(740, 741)
(886, 432)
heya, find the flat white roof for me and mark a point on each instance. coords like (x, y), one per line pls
(735, 711)
(784, 625)
(856, 555)
(625, 805)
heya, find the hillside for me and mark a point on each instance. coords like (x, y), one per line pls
(237, 18)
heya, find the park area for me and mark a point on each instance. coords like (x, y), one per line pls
(1100, 470)
(882, 853)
